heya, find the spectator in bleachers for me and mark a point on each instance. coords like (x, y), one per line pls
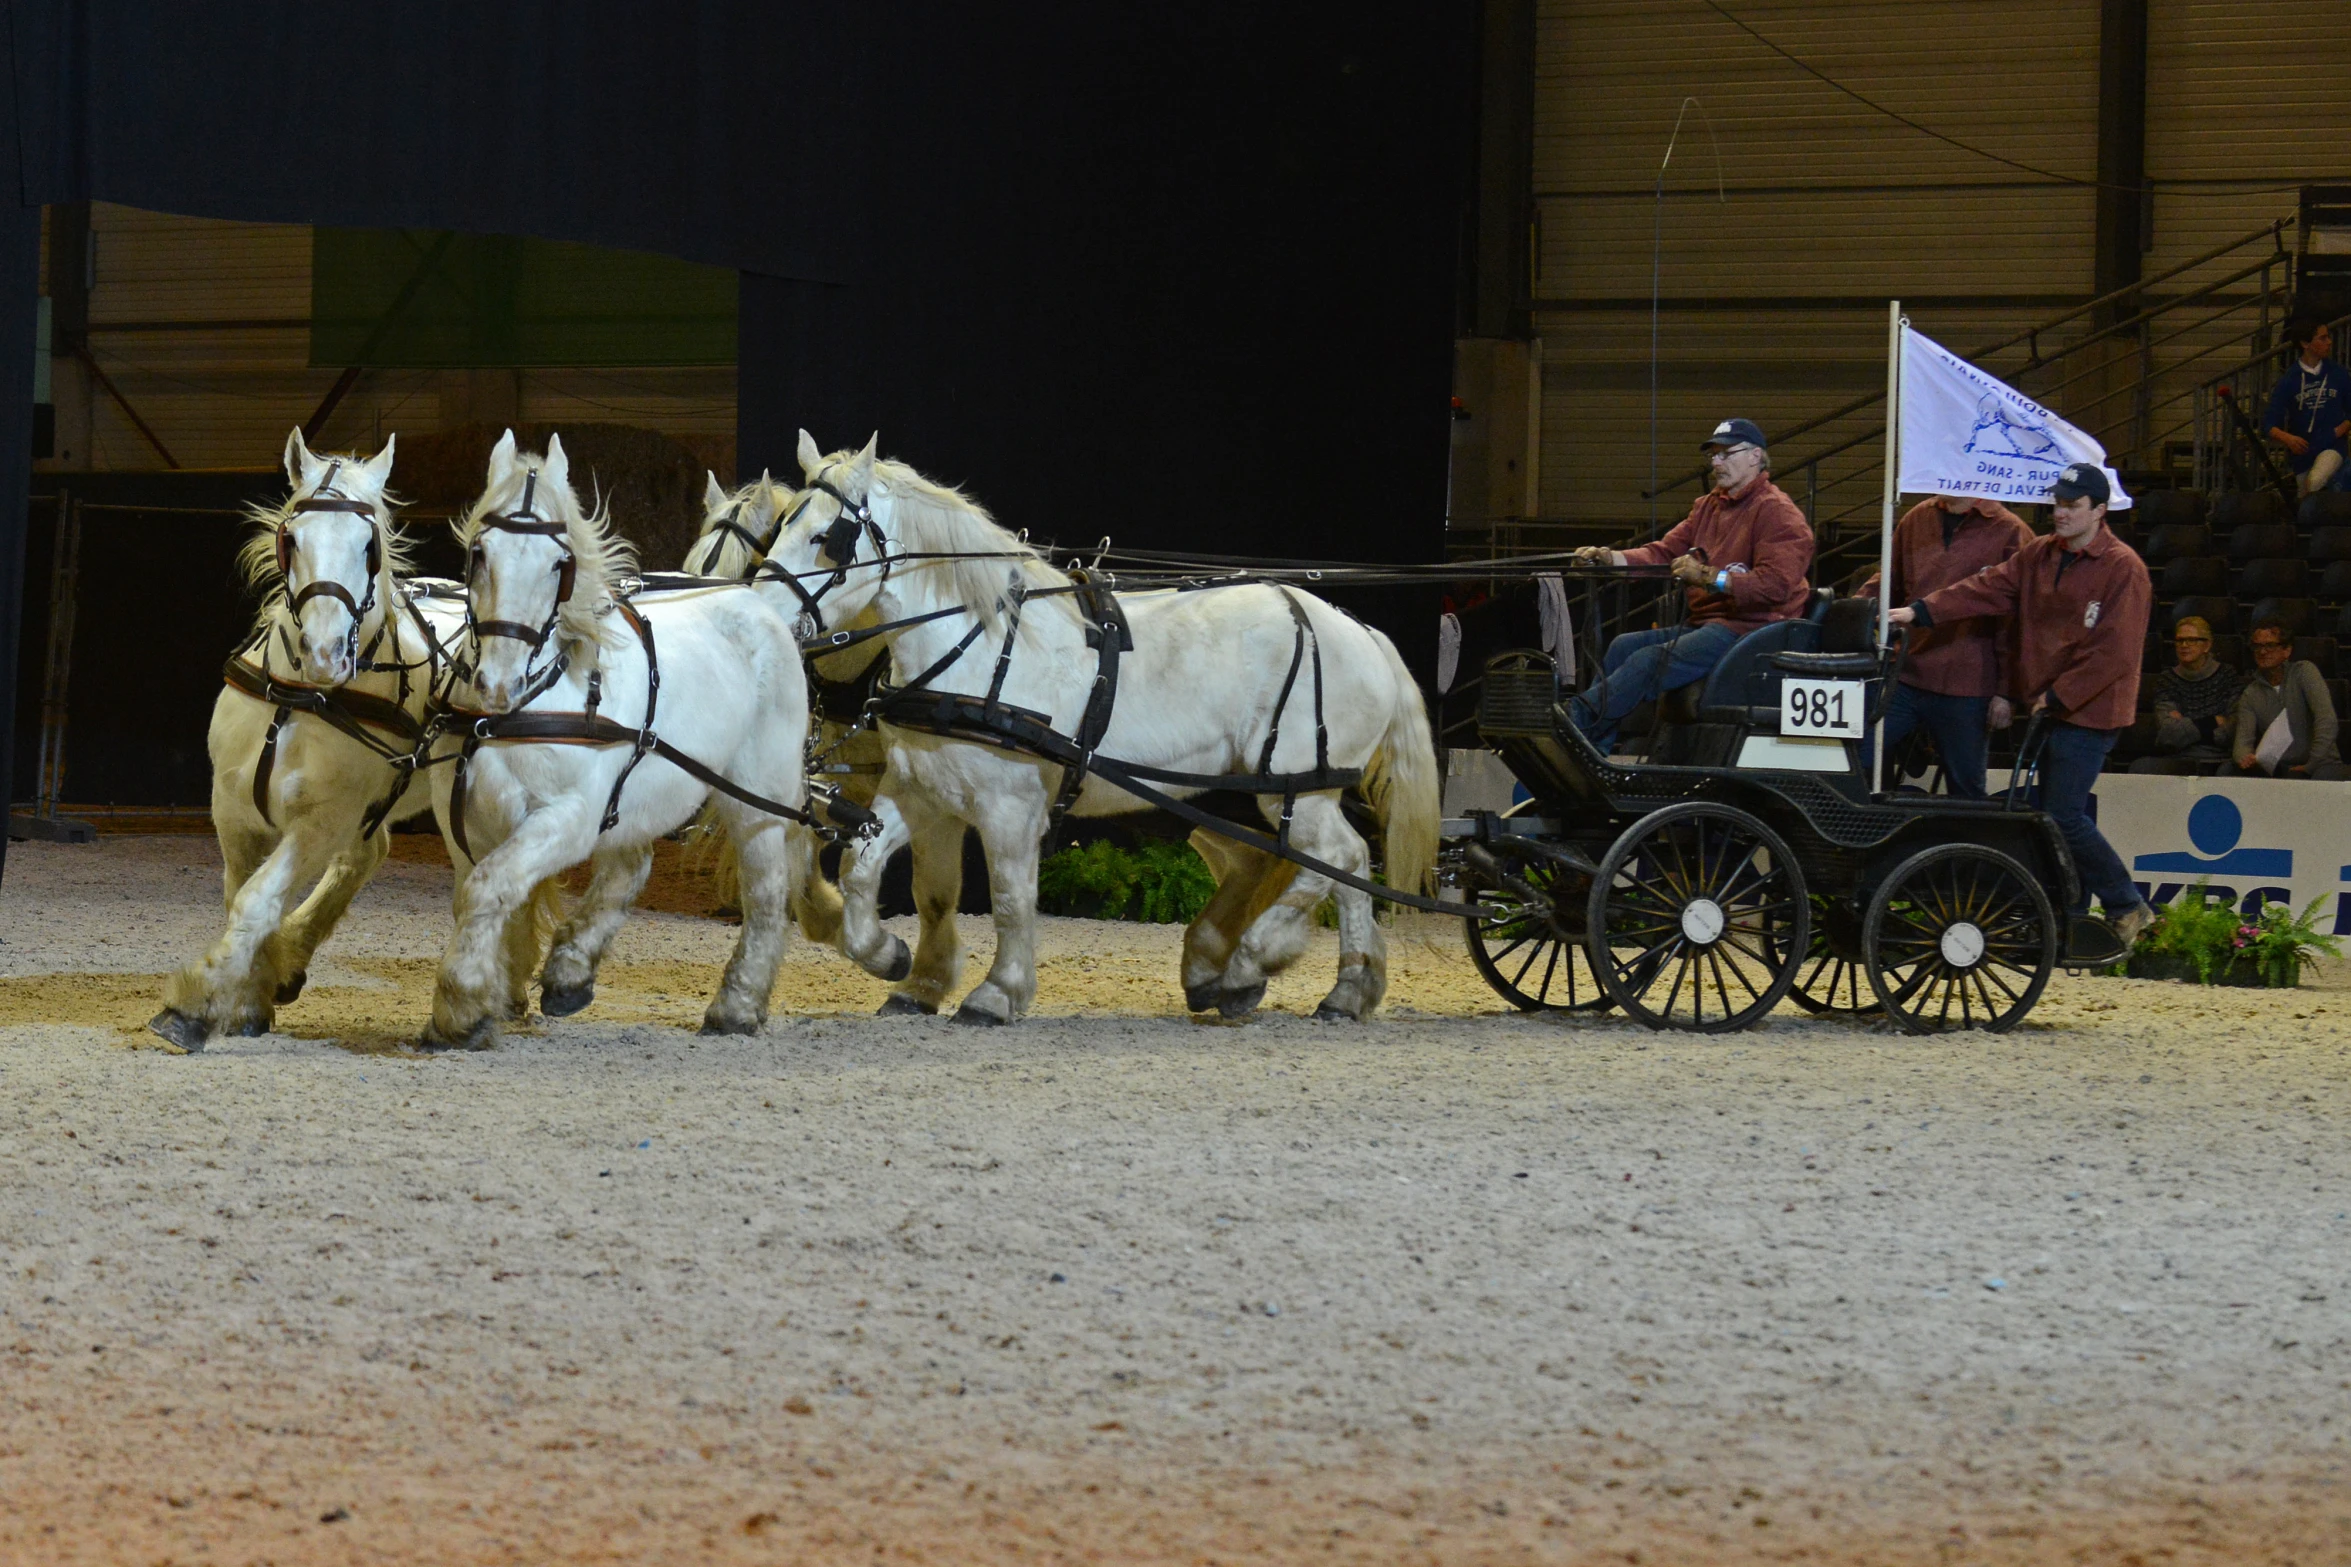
(2292, 690)
(2310, 408)
(2195, 706)
(1955, 676)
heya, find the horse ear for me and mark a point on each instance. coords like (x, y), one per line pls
(713, 494)
(556, 469)
(502, 458)
(861, 471)
(299, 462)
(379, 467)
(810, 458)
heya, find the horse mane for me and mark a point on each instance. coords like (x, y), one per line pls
(603, 558)
(927, 517)
(257, 558)
(731, 557)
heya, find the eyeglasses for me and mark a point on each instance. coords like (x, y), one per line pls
(2197, 641)
(2269, 647)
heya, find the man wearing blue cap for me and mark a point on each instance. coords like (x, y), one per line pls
(2080, 597)
(1743, 552)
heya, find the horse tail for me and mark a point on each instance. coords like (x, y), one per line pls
(1401, 782)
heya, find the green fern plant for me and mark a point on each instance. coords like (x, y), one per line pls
(1156, 883)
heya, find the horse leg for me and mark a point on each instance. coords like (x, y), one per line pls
(1219, 971)
(286, 955)
(863, 941)
(1012, 827)
(773, 860)
(498, 907)
(817, 906)
(523, 943)
(1321, 829)
(222, 993)
(569, 981)
(938, 888)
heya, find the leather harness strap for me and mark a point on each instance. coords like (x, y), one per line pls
(591, 727)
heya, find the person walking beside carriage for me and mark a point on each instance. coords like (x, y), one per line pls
(2081, 599)
(1743, 553)
(1954, 677)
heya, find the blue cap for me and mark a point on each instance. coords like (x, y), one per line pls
(2082, 481)
(1735, 432)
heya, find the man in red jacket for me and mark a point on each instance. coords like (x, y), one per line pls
(1954, 679)
(2080, 597)
(1743, 552)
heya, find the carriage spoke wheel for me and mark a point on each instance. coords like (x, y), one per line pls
(1525, 938)
(1699, 918)
(1959, 936)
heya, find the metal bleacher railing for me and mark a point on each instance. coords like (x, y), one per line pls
(2135, 367)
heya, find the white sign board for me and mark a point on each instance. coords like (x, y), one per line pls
(2259, 840)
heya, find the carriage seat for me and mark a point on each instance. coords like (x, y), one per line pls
(1741, 697)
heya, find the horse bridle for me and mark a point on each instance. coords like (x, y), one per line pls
(524, 520)
(324, 499)
(731, 523)
(838, 543)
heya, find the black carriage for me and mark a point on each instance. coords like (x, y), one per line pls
(1743, 861)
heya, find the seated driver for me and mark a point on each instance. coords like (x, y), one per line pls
(1743, 550)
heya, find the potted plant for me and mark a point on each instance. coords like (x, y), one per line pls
(2201, 938)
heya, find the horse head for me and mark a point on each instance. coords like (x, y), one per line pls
(833, 552)
(539, 572)
(738, 529)
(334, 549)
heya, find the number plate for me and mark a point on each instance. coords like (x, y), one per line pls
(1821, 709)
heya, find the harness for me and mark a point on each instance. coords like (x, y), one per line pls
(591, 727)
(988, 720)
(360, 715)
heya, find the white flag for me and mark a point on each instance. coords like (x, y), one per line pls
(1968, 433)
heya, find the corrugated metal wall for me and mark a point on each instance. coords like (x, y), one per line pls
(1774, 298)
(203, 325)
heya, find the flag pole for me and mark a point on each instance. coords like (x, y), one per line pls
(1877, 764)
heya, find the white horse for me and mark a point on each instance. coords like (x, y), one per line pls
(298, 801)
(1204, 691)
(547, 634)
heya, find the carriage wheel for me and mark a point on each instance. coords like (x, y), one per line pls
(1525, 941)
(1959, 936)
(1699, 918)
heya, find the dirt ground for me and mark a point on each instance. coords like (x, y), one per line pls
(1119, 1286)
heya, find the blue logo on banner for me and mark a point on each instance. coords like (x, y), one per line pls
(2214, 826)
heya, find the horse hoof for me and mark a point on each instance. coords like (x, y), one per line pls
(291, 990)
(1240, 1003)
(975, 1018)
(557, 1001)
(481, 1036)
(1201, 997)
(249, 1028)
(177, 1028)
(901, 964)
(720, 1028)
(905, 1006)
(1326, 1013)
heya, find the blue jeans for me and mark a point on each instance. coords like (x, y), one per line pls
(1641, 665)
(1958, 725)
(2069, 770)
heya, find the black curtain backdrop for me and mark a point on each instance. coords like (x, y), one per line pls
(1180, 275)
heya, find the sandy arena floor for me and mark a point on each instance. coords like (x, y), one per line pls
(1119, 1286)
